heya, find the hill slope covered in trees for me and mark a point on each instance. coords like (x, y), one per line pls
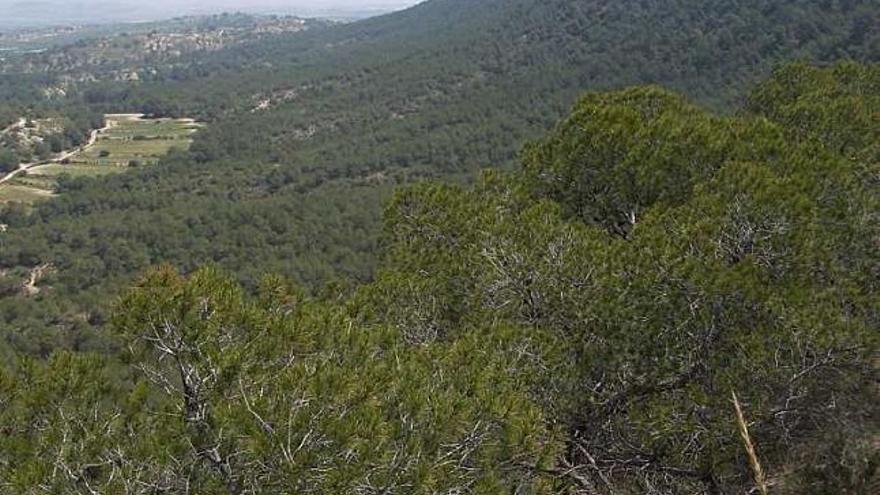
(578, 326)
(435, 92)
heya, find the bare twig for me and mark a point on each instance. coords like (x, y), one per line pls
(757, 471)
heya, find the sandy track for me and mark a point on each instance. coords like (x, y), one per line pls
(24, 167)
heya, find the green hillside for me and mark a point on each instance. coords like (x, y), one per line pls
(588, 324)
(478, 247)
(439, 91)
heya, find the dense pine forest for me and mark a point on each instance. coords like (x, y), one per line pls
(439, 91)
(519, 246)
(579, 326)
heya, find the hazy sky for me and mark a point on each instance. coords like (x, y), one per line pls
(49, 12)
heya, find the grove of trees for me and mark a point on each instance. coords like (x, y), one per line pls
(437, 92)
(579, 326)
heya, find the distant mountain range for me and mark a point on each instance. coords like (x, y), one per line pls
(40, 13)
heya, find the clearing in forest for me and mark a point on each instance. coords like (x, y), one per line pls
(128, 140)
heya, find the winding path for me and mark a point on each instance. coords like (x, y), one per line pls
(24, 167)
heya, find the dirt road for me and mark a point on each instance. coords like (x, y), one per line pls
(24, 167)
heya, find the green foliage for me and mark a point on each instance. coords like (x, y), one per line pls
(576, 327)
(8, 161)
(516, 337)
(435, 92)
(743, 271)
(836, 107)
(623, 153)
(235, 395)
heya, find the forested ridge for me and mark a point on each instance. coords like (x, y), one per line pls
(580, 325)
(439, 91)
(483, 246)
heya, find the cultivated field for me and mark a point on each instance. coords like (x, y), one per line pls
(130, 138)
(16, 193)
(127, 141)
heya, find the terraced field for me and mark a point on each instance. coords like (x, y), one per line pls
(129, 140)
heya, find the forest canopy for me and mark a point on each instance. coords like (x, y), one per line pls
(438, 92)
(472, 247)
(577, 326)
